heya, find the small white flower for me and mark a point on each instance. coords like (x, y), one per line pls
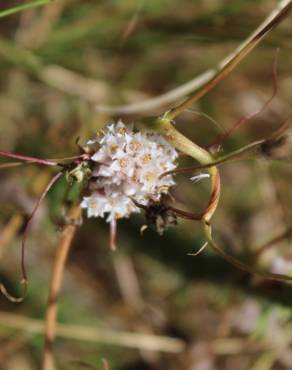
(128, 169)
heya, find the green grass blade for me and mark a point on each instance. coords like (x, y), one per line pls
(22, 7)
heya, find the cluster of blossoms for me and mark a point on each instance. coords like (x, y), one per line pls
(127, 172)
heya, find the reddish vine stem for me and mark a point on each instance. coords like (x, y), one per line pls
(275, 18)
(271, 243)
(185, 214)
(63, 248)
(25, 158)
(228, 157)
(23, 281)
(243, 120)
(27, 226)
(237, 154)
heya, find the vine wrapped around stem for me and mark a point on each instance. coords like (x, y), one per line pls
(201, 155)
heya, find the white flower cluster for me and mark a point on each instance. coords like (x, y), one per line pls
(128, 169)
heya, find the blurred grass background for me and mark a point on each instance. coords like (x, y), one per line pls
(57, 63)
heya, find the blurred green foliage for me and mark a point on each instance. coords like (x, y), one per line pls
(129, 51)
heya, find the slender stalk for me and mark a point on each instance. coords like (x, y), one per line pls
(236, 154)
(271, 243)
(245, 119)
(276, 135)
(55, 286)
(163, 100)
(164, 123)
(20, 8)
(189, 87)
(164, 126)
(239, 264)
(28, 224)
(185, 214)
(23, 280)
(26, 158)
(230, 156)
(232, 61)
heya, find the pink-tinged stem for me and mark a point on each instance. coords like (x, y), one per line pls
(27, 226)
(84, 157)
(23, 241)
(244, 120)
(25, 158)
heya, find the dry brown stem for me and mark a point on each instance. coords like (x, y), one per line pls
(63, 248)
(277, 16)
(93, 334)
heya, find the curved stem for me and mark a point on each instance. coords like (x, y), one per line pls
(273, 242)
(239, 264)
(185, 214)
(283, 9)
(31, 216)
(23, 280)
(194, 84)
(236, 154)
(233, 155)
(55, 286)
(164, 126)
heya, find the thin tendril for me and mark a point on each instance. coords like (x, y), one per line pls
(185, 214)
(233, 155)
(245, 119)
(24, 279)
(25, 158)
(239, 264)
(27, 227)
(211, 119)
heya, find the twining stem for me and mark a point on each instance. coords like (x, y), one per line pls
(236, 154)
(189, 87)
(23, 280)
(271, 243)
(239, 264)
(188, 147)
(184, 214)
(63, 248)
(284, 7)
(205, 158)
(30, 219)
(164, 123)
(164, 126)
(26, 158)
